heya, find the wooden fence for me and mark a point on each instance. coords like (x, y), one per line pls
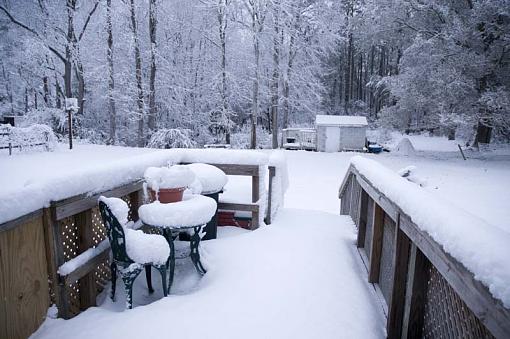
(427, 292)
(33, 247)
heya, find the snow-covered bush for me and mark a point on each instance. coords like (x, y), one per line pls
(241, 138)
(32, 136)
(171, 138)
(54, 117)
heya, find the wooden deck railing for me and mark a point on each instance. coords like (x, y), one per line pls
(34, 247)
(427, 292)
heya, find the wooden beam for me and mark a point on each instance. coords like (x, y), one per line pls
(377, 241)
(398, 290)
(238, 207)
(20, 221)
(234, 169)
(272, 173)
(416, 295)
(77, 204)
(477, 297)
(55, 258)
(82, 270)
(83, 222)
(387, 205)
(363, 215)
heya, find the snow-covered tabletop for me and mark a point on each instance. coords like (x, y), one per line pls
(210, 178)
(193, 210)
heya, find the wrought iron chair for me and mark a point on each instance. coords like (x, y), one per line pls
(122, 263)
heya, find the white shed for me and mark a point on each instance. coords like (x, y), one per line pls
(340, 133)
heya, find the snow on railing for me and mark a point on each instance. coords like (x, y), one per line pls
(481, 247)
(113, 174)
(418, 247)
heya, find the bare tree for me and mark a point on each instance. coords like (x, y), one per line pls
(111, 75)
(138, 70)
(152, 89)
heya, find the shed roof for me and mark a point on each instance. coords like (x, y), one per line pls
(340, 120)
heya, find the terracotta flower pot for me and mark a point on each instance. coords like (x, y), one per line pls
(168, 195)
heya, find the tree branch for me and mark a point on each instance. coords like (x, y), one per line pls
(31, 30)
(88, 20)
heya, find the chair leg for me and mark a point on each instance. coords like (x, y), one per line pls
(162, 270)
(148, 276)
(195, 255)
(129, 276)
(113, 272)
(171, 266)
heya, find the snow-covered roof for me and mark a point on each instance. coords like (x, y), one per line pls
(340, 120)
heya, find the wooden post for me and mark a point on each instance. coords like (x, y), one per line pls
(10, 148)
(272, 173)
(88, 291)
(55, 258)
(255, 196)
(136, 201)
(377, 240)
(70, 127)
(416, 295)
(398, 291)
(363, 215)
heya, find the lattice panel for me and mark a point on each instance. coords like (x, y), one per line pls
(446, 315)
(74, 297)
(386, 269)
(102, 272)
(69, 238)
(127, 199)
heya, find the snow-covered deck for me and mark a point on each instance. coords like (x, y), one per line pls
(300, 277)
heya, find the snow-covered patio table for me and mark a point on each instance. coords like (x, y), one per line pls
(191, 214)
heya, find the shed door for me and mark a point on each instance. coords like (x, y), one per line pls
(332, 139)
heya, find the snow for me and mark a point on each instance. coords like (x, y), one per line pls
(211, 178)
(340, 120)
(481, 247)
(405, 147)
(30, 181)
(176, 176)
(193, 210)
(141, 248)
(145, 248)
(118, 207)
(80, 260)
(253, 289)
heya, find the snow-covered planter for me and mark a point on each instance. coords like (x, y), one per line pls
(168, 184)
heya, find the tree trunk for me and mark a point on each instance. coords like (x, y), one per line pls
(286, 83)
(256, 81)
(138, 68)
(276, 76)
(111, 80)
(152, 89)
(222, 20)
(46, 90)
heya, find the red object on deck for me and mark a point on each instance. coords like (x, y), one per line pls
(227, 218)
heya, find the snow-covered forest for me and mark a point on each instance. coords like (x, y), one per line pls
(238, 71)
